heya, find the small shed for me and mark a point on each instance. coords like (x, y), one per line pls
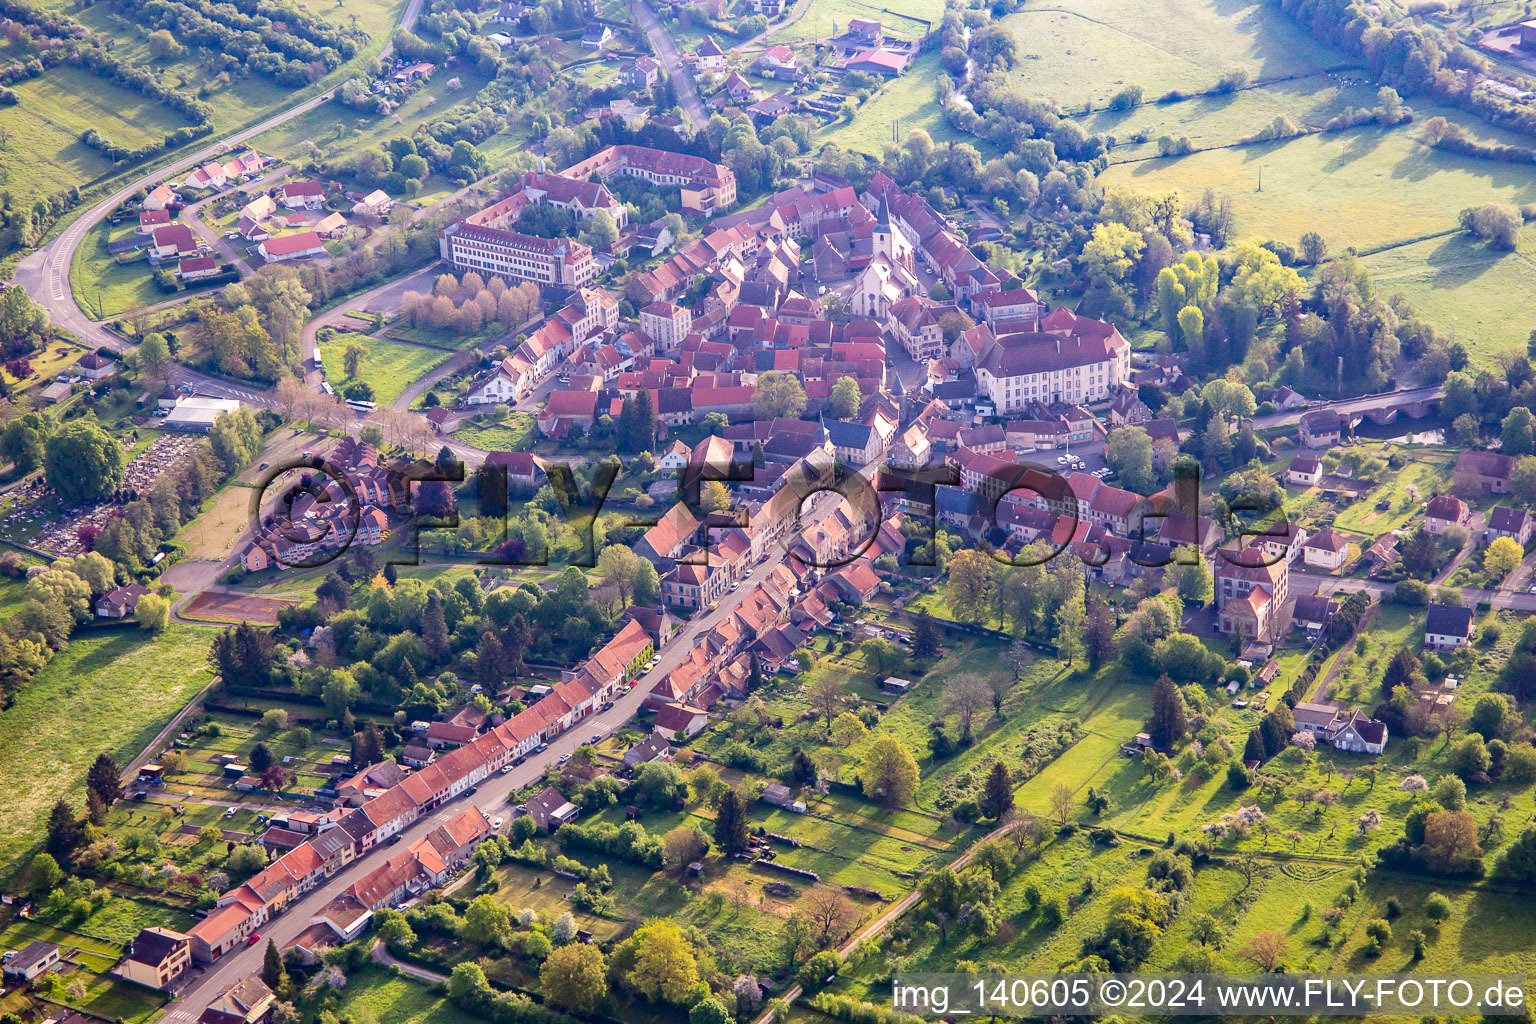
(776, 793)
(234, 771)
(892, 684)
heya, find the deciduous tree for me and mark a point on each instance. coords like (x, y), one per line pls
(83, 462)
(890, 773)
(575, 977)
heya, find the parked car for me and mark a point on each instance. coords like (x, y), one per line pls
(496, 824)
(596, 738)
(255, 938)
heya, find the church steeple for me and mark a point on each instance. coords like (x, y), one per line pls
(883, 217)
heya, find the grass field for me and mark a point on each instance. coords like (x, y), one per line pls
(213, 534)
(1362, 517)
(47, 123)
(1367, 187)
(104, 287)
(909, 102)
(1465, 289)
(59, 105)
(1212, 120)
(374, 995)
(105, 691)
(389, 367)
(448, 339)
(1092, 51)
(516, 434)
(904, 20)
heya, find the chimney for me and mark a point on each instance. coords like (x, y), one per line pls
(1058, 345)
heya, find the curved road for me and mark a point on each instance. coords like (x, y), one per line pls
(45, 274)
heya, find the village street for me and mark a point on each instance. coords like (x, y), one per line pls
(491, 795)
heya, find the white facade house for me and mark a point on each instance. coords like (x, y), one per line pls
(1041, 368)
(1448, 626)
(1326, 549)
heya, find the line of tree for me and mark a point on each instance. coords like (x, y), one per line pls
(1413, 57)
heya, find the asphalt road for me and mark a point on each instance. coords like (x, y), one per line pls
(215, 239)
(666, 52)
(491, 798)
(45, 273)
(1514, 598)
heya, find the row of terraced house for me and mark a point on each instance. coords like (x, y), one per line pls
(348, 833)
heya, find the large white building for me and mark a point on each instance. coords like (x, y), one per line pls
(705, 187)
(561, 262)
(195, 412)
(666, 324)
(582, 198)
(1070, 359)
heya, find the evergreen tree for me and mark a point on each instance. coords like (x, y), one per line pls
(490, 661)
(434, 627)
(272, 971)
(925, 636)
(1253, 750)
(336, 590)
(243, 655)
(645, 420)
(95, 809)
(997, 792)
(1274, 736)
(391, 574)
(367, 746)
(515, 643)
(636, 428)
(624, 428)
(104, 779)
(755, 678)
(802, 770)
(1400, 670)
(1169, 719)
(366, 561)
(1421, 554)
(261, 758)
(1099, 632)
(64, 832)
(731, 824)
